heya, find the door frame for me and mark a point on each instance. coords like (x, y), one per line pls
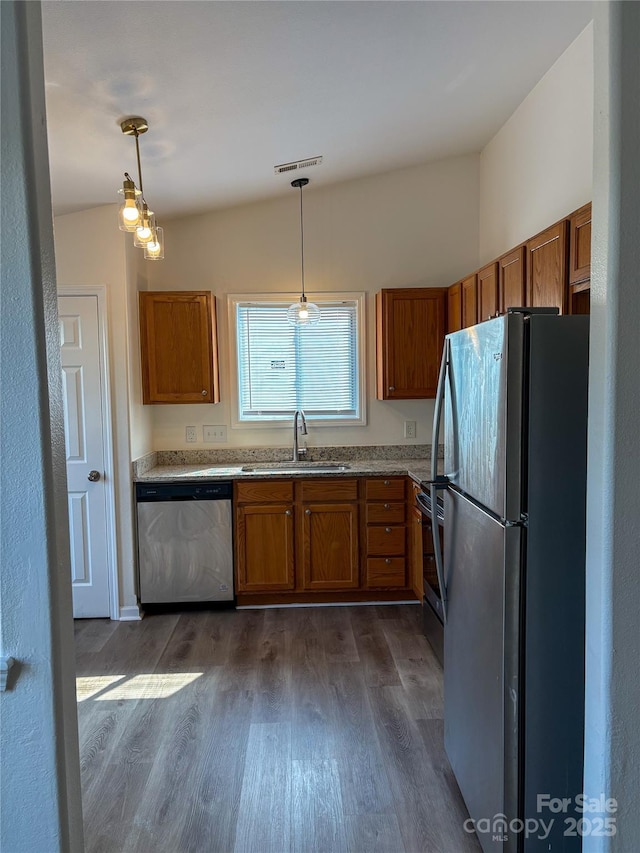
(101, 294)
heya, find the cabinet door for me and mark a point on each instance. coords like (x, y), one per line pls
(178, 347)
(330, 546)
(488, 292)
(469, 301)
(454, 308)
(547, 268)
(410, 327)
(511, 279)
(580, 245)
(264, 548)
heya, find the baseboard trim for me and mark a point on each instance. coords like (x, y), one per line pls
(322, 604)
(130, 613)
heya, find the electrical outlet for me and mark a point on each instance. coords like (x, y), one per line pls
(409, 429)
(191, 434)
(214, 433)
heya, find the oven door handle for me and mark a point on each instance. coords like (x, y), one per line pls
(423, 504)
(438, 482)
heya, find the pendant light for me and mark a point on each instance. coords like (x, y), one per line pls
(302, 313)
(134, 214)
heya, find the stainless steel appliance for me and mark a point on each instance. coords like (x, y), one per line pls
(512, 584)
(432, 608)
(185, 543)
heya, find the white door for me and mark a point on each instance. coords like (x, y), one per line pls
(81, 382)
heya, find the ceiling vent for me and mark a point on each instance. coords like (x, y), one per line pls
(299, 164)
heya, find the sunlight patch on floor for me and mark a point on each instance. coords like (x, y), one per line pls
(149, 686)
(89, 685)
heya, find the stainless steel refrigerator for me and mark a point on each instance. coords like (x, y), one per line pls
(513, 392)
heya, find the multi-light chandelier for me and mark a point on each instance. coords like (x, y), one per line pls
(134, 214)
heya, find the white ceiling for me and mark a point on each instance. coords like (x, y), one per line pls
(232, 88)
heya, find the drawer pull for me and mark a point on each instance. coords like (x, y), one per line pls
(387, 530)
(287, 512)
(387, 560)
(307, 512)
(387, 506)
(387, 482)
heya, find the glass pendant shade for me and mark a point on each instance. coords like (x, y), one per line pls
(144, 231)
(154, 249)
(129, 212)
(303, 313)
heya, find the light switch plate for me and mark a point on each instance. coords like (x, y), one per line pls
(191, 434)
(214, 433)
(409, 429)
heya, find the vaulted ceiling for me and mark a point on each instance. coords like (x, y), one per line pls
(231, 89)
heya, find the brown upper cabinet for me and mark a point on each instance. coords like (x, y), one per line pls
(454, 308)
(512, 279)
(410, 328)
(488, 292)
(469, 301)
(580, 245)
(547, 265)
(178, 347)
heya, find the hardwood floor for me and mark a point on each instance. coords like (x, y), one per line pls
(290, 731)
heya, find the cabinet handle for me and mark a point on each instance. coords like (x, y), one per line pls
(387, 530)
(387, 506)
(387, 560)
(387, 482)
(287, 512)
(307, 512)
(392, 387)
(204, 393)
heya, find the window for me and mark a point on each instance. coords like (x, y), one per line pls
(281, 368)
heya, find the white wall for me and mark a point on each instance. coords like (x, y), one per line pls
(40, 768)
(612, 748)
(90, 250)
(538, 167)
(413, 227)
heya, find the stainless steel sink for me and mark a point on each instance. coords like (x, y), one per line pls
(279, 467)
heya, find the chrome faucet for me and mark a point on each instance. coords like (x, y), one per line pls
(298, 452)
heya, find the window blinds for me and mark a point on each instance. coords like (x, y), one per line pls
(282, 367)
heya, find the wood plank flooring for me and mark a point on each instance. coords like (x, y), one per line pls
(265, 731)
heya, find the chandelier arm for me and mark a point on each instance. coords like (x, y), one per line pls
(136, 134)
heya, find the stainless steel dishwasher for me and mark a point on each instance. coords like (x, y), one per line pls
(185, 543)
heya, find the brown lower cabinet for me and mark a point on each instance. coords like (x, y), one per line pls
(330, 546)
(264, 537)
(308, 539)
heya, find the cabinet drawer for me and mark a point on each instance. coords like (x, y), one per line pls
(329, 490)
(389, 488)
(385, 513)
(264, 491)
(386, 571)
(386, 541)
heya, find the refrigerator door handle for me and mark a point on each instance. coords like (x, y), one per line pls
(437, 413)
(435, 481)
(437, 551)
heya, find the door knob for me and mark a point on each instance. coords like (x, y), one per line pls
(94, 476)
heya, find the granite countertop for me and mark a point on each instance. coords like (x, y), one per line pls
(417, 469)
(185, 466)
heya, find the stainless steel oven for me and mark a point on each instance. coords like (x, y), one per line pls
(432, 610)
